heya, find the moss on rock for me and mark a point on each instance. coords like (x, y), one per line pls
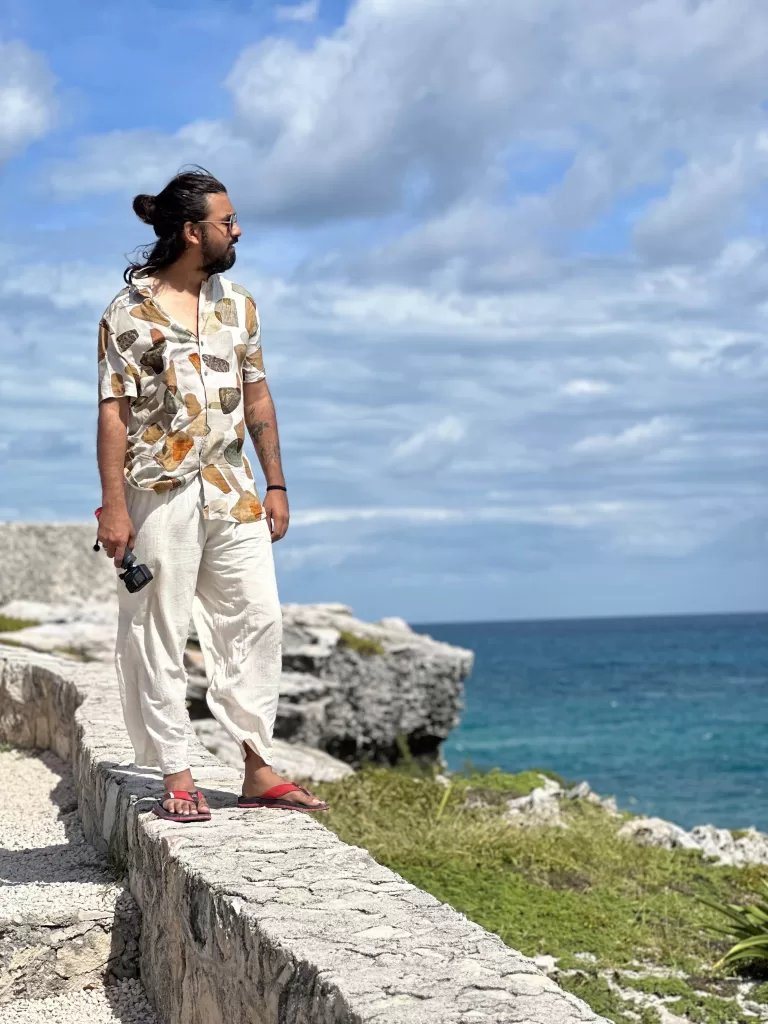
(10, 625)
(360, 644)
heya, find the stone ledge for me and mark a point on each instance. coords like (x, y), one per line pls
(259, 916)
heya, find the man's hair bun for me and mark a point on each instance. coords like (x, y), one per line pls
(144, 208)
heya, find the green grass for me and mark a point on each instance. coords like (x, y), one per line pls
(496, 781)
(709, 1010)
(605, 1002)
(362, 645)
(72, 652)
(542, 890)
(656, 986)
(9, 625)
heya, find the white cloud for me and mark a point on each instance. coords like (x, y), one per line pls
(72, 391)
(585, 386)
(642, 437)
(377, 115)
(27, 101)
(575, 516)
(429, 446)
(323, 555)
(298, 12)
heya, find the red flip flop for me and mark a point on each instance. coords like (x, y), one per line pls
(180, 794)
(272, 799)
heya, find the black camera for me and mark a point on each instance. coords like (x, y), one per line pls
(135, 576)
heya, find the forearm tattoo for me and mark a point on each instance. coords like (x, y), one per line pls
(265, 440)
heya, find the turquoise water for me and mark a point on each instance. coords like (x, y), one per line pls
(670, 714)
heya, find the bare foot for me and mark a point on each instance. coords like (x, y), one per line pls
(258, 779)
(183, 781)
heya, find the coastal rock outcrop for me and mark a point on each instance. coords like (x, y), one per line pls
(542, 806)
(719, 844)
(355, 690)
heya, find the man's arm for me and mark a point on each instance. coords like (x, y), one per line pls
(115, 526)
(261, 421)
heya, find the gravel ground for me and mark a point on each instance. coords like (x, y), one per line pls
(46, 866)
(46, 869)
(125, 1003)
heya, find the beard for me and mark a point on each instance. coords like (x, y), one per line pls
(216, 259)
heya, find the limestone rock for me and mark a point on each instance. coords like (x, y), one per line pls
(540, 807)
(54, 562)
(657, 832)
(751, 847)
(717, 844)
(413, 687)
(84, 629)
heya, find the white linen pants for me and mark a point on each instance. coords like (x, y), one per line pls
(222, 575)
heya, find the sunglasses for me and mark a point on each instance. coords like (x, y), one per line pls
(229, 223)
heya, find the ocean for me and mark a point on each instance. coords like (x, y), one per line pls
(669, 715)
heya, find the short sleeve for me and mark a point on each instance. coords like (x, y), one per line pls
(253, 364)
(117, 375)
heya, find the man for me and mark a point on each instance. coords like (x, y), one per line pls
(181, 378)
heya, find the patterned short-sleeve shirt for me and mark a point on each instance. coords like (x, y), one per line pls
(186, 393)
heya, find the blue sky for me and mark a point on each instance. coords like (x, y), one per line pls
(511, 266)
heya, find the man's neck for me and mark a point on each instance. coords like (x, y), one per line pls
(182, 276)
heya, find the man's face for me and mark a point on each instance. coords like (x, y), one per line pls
(217, 239)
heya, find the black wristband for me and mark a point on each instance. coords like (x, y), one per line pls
(277, 487)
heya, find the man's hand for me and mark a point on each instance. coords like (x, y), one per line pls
(116, 532)
(276, 507)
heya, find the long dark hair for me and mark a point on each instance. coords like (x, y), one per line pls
(184, 198)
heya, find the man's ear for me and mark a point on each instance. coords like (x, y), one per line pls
(192, 233)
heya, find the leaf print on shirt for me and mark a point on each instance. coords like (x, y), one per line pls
(199, 426)
(142, 403)
(214, 476)
(229, 398)
(218, 507)
(165, 484)
(251, 317)
(126, 339)
(240, 351)
(103, 338)
(226, 312)
(169, 377)
(216, 364)
(148, 311)
(211, 324)
(176, 448)
(118, 385)
(192, 404)
(133, 373)
(232, 453)
(171, 401)
(152, 434)
(195, 360)
(247, 509)
(153, 357)
(256, 360)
